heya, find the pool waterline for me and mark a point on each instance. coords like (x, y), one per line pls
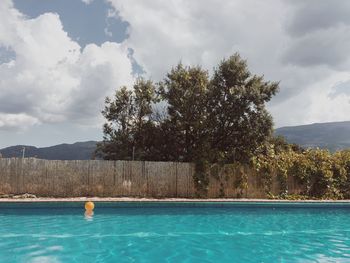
(18, 203)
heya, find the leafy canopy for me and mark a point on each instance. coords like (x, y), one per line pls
(218, 118)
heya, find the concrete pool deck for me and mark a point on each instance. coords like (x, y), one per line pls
(130, 199)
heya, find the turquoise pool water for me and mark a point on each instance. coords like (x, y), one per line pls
(180, 232)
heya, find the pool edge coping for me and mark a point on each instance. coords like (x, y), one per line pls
(160, 200)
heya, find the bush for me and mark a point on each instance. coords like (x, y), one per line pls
(324, 175)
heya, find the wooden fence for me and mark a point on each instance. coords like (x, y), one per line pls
(125, 178)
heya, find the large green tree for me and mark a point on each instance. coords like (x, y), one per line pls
(129, 122)
(184, 90)
(237, 117)
(217, 119)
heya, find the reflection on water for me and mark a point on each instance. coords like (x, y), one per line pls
(45, 259)
(89, 215)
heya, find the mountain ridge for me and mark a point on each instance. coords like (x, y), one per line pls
(65, 151)
(329, 135)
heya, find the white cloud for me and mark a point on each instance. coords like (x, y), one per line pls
(162, 33)
(51, 79)
(16, 121)
(87, 1)
(316, 103)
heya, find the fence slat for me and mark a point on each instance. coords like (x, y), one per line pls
(126, 178)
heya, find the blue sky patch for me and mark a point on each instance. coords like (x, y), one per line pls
(342, 88)
(6, 54)
(84, 23)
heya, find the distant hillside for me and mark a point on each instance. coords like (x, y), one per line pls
(332, 135)
(75, 151)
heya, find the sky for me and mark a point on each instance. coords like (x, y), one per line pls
(59, 59)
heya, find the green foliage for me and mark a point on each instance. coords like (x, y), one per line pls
(241, 178)
(201, 177)
(129, 125)
(208, 119)
(341, 172)
(238, 120)
(320, 173)
(218, 122)
(184, 91)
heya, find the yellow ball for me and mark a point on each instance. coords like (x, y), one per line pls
(89, 206)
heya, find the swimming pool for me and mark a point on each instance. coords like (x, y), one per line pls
(175, 232)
